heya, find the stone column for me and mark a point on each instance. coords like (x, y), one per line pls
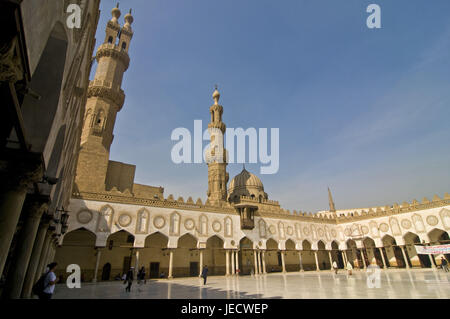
(237, 261)
(200, 266)
(44, 254)
(264, 261)
(382, 257)
(317, 260)
(17, 172)
(344, 258)
(282, 261)
(433, 266)
(33, 210)
(233, 265)
(227, 262)
(137, 252)
(35, 255)
(170, 276)
(300, 260)
(405, 257)
(259, 262)
(363, 259)
(97, 263)
(256, 261)
(331, 259)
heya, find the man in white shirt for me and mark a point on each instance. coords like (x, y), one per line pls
(49, 282)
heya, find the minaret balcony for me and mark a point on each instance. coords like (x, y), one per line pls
(114, 51)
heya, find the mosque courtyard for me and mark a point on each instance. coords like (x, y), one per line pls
(394, 284)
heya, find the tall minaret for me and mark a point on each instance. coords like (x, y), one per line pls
(217, 157)
(330, 200)
(105, 99)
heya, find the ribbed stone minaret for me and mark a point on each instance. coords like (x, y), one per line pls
(105, 100)
(217, 155)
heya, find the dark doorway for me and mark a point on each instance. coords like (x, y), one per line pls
(106, 272)
(154, 270)
(126, 264)
(193, 269)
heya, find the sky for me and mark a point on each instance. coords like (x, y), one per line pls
(362, 111)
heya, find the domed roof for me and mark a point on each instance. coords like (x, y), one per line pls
(244, 180)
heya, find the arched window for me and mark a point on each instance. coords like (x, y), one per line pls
(124, 46)
(110, 39)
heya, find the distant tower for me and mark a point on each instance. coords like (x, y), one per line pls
(105, 99)
(217, 161)
(330, 200)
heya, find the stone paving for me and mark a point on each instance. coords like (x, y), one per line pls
(395, 284)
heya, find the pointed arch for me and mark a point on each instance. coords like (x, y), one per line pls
(156, 240)
(187, 241)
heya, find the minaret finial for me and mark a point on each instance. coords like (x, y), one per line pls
(216, 95)
(115, 13)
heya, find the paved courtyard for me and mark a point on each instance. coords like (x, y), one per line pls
(312, 285)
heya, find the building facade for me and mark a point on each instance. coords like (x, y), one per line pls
(115, 224)
(44, 75)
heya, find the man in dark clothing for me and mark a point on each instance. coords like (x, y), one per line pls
(129, 279)
(444, 264)
(205, 274)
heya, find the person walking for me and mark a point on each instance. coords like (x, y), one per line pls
(45, 287)
(141, 277)
(205, 274)
(129, 279)
(335, 267)
(444, 264)
(349, 268)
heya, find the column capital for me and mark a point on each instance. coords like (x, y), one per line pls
(35, 205)
(18, 169)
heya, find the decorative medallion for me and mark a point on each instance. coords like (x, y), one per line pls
(432, 220)
(259, 244)
(333, 233)
(159, 222)
(189, 224)
(384, 227)
(290, 230)
(233, 243)
(306, 231)
(124, 220)
(84, 217)
(348, 231)
(406, 223)
(320, 232)
(272, 229)
(217, 226)
(365, 230)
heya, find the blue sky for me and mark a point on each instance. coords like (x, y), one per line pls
(363, 111)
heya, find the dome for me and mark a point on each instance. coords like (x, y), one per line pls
(246, 184)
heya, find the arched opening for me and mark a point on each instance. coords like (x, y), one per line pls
(78, 248)
(439, 237)
(323, 256)
(154, 257)
(291, 256)
(124, 46)
(39, 114)
(353, 255)
(415, 259)
(394, 255)
(308, 259)
(110, 39)
(119, 252)
(186, 257)
(273, 256)
(371, 254)
(246, 256)
(214, 256)
(336, 254)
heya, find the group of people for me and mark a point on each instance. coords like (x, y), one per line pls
(130, 277)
